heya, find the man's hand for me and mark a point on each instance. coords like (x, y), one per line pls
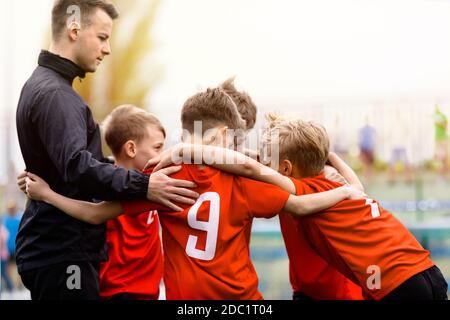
(332, 174)
(22, 181)
(165, 190)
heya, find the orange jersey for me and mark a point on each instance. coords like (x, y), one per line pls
(308, 272)
(362, 241)
(206, 246)
(135, 261)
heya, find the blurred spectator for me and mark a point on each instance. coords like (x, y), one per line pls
(400, 148)
(367, 135)
(11, 222)
(441, 137)
(399, 155)
(339, 142)
(4, 257)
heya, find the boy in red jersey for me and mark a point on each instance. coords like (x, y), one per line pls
(206, 246)
(135, 262)
(359, 238)
(311, 276)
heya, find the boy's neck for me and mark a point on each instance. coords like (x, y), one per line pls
(126, 164)
(296, 174)
(197, 140)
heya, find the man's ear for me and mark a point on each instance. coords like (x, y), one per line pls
(286, 168)
(130, 149)
(74, 30)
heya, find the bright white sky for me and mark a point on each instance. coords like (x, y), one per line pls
(287, 54)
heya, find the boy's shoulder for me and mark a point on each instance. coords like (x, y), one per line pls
(190, 170)
(314, 184)
(206, 176)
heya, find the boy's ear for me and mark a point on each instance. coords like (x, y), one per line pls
(130, 149)
(222, 132)
(286, 168)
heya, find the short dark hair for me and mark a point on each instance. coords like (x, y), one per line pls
(87, 8)
(304, 143)
(212, 107)
(126, 123)
(244, 102)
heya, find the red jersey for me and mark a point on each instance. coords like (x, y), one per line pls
(206, 246)
(363, 241)
(135, 261)
(308, 272)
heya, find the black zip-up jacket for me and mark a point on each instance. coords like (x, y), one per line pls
(61, 143)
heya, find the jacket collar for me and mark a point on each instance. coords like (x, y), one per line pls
(66, 68)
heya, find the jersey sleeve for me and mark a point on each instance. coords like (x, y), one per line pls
(263, 200)
(136, 207)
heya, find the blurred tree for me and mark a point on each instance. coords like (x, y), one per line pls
(129, 74)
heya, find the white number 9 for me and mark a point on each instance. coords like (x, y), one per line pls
(211, 227)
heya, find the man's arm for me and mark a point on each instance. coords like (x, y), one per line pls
(61, 122)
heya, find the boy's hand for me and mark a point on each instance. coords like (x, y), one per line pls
(332, 174)
(22, 182)
(355, 194)
(36, 188)
(167, 158)
(165, 190)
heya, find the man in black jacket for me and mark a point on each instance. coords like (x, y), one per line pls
(58, 257)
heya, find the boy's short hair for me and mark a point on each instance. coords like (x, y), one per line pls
(127, 123)
(243, 101)
(304, 143)
(213, 108)
(60, 13)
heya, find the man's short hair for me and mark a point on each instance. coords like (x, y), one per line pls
(213, 108)
(304, 143)
(243, 101)
(60, 14)
(127, 123)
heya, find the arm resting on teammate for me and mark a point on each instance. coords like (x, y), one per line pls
(237, 163)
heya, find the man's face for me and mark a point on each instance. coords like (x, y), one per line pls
(93, 43)
(149, 147)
